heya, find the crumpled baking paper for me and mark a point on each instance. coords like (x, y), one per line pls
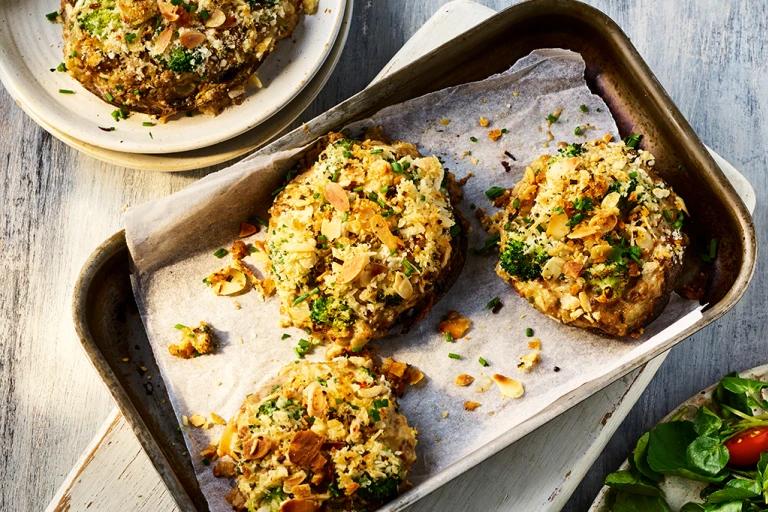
(172, 241)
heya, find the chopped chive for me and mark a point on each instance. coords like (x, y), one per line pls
(384, 402)
(397, 168)
(423, 197)
(130, 37)
(285, 336)
(384, 189)
(583, 108)
(504, 130)
(373, 413)
(303, 343)
(180, 326)
(667, 216)
(409, 268)
(473, 139)
(109, 97)
(335, 176)
(494, 192)
(301, 298)
(516, 203)
(66, 91)
(322, 382)
(278, 190)
(455, 231)
(633, 140)
(493, 303)
(376, 151)
(551, 118)
(322, 238)
(529, 332)
(204, 14)
(577, 130)
(221, 253)
(356, 349)
(448, 337)
(345, 217)
(491, 243)
(206, 281)
(61, 67)
(255, 219)
(633, 175)
(575, 219)
(147, 123)
(482, 361)
(357, 189)
(347, 154)
(454, 356)
(52, 15)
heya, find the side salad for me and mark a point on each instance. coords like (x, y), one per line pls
(725, 446)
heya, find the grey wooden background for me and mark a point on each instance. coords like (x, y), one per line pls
(56, 206)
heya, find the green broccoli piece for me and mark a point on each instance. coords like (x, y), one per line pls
(610, 276)
(382, 490)
(97, 21)
(182, 60)
(523, 261)
(274, 494)
(330, 312)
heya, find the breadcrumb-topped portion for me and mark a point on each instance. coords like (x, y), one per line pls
(365, 234)
(324, 435)
(592, 237)
(161, 57)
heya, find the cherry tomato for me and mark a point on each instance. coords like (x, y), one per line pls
(745, 448)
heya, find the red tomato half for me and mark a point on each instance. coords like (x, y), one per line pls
(745, 448)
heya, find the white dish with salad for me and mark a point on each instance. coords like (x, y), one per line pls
(709, 455)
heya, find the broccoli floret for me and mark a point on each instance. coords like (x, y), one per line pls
(274, 494)
(330, 312)
(611, 276)
(523, 261)
(97, 21)
(383, 489)
(182, 60)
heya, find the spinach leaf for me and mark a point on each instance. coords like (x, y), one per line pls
(737, 401)
(627, 502)
(639, 459)
(736, 489)
(667, 452)
(707, 456)
(707, 423)
(632, 482)
(731, 506)
(692, 507)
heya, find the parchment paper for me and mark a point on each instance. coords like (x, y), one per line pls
(172, 241)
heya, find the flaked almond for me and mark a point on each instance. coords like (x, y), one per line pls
(227, 281)
(226, 439)
(352, 268)
(413, 376)
(298, 247)
(471, 406)
(304, 445)
(604, 223)
(295, 479)
(371, 392)
(163, 40)
(337, 196)
(455, 324)
(209, 453)
(403, 286)
(225, 469)
(552, 268)
(558, 226)
(381, 229)
(191, 39)
(584, 232)
(464, 380)
(643, 239)
(217, 19)
(298, 505)
(331, 229)
(247, 229)
(257, 448)
(217, 419)
(510, 388)
(572, 269)
(529, 360)
(600, 253)
(494, 135)
(484, 385)
(316, 401)
(535, 344)
(197, 420)
(168, 11)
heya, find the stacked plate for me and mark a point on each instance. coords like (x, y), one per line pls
(292, 76)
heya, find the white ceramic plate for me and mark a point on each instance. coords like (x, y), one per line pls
(679, 491)
(231, 148)
(30, 46)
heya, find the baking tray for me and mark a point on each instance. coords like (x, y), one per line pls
(107, 319)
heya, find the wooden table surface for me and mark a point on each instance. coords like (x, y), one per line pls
(57, 205)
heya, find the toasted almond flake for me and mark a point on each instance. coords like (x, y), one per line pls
(209, 452)
(184, 420)
(529, 360)
(168, 11)
(337, 196)
(217, 19)
(464, 380)
(494, 135)
(370, 392)
(217, 419)
(247, 229)
(352, 268)
(331, 229)
(558, 226)
(535, 344)
(162, 42)
(316, 401)
(484, 385)
(552, 268)
(483, 122)
(227, 281)
(510, 388)
(191, 39)
(455, 324)
(257, 448)
(471, 406)
(403, 286)
(197, 420)
(298, 247)
(380, 227)
(226, 438)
